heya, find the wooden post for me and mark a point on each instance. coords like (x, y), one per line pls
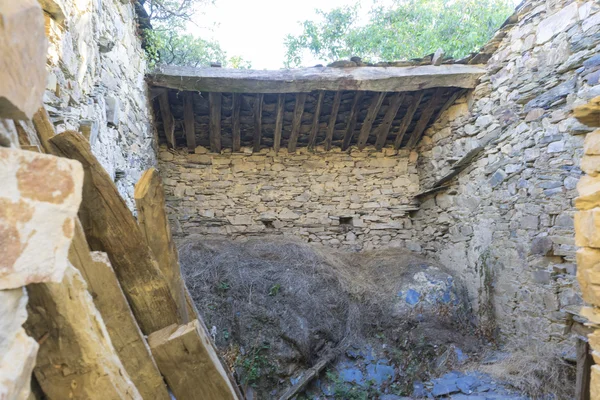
(258, 106)
(332, 119)
(365, 130)
(214, 100)
(236, 103)
(190, 365)
(154, 224)
(416, 100)
(167, 117)
(188, 120)
(44, 127)
(315, 125)
(109, 226)
(76, 359)
(297, 121)
(278, 122)
(351, 124)
(383, 130)
(584, 367)
(426, 115)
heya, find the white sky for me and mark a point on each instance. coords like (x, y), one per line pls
(255, 29)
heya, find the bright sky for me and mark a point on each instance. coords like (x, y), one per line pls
(255, 29)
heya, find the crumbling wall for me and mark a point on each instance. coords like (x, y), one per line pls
(354, 200)
(505, 224)
(96, 84)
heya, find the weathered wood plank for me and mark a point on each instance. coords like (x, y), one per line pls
(258, 106)
(335, 108)
(279, 122)
(188, 121)
(189, 363)
(76, 359)
(365, 129)
(44, 127)
(416, 100)
(167, 118)
(125, 334)
(24, 47)
(376, 79)
(214, 99)
(109, 226)
(297, 121)
(235, 121)
(152, 218)
(351, 123)
(312, 138)
(426, 115)
(583, 373)
(383, 130)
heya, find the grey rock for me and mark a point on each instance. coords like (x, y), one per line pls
(498, 177)
(541, 245)
(549, 97)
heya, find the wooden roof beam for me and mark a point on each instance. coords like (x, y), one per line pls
(426, 115)
(279, 122)
(235, 121)
(416, 100)
(214, 99)
(383, 130)
(297, 121)
(351, 124)
(365, 130)
(258, 106)
(315, 124)
(376, 79)
(335, 107)
(188, 121)
(167, 117)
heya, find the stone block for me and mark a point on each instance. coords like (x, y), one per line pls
(113, 105)
(588, 274)
(199, 159)
(556, 23)
(200, 150)
(383, 163)
(591, 145)
(589, 193)
(556, 147)
(587, 228)
(39, 200)
(590, 164)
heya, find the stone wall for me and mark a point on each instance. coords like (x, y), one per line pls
(505, 224)
(96, 84)
(356, 200)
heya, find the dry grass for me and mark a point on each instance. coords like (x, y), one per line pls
(537, 370)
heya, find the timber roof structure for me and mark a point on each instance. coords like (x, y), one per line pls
(320, 106)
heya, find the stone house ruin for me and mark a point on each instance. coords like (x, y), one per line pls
(478, 164)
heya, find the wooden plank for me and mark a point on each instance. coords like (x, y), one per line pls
(335, 108)
(584, 369)
(24, 46)
(383, 130)
(167, 118)
(124, 332)
(426, 115)
(109, 226)
(214, 100)
(309, 375)
(189, 363)
(416, 100)
(235, 121)
(258, 106)
(365, 129)
(152, 218)
(279, 122)
(44, 127)
(297, 121)
(351, 123)
(455, 95)
(312, 138)
(376, 79)
(76, 359)
(188, 121)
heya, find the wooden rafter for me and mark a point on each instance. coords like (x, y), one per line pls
(416, 100)
(214, 99)
(235, 121)
(383, 130)
(332, 119)
(279, 122)
(167, 117)
(365, 129)
(188, 121)
(258, 106)
(351, 123)
(426, 115)
(315, 124)
(297, 121)
(449, 102)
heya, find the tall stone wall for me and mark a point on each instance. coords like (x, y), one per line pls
(505, 225)
(355, 200)
(96, 84)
